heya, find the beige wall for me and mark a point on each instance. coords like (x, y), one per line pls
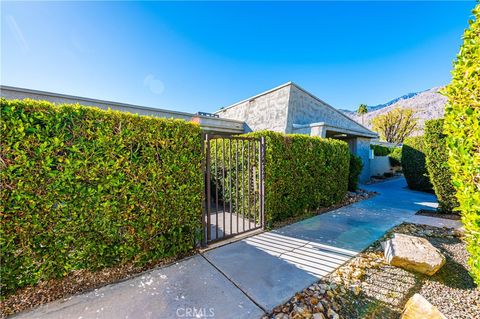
(263, 112)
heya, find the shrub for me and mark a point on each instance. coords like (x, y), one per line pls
(379, 150)
(356, 166)
(462, 127)
(83, 188)
(395, 156)
(302, 173)
(437, 166)
(413, 164)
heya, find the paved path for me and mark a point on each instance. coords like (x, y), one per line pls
(246, 278)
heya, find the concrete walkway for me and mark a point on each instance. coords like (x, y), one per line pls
(246, 278)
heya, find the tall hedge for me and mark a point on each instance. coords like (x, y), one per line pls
(437, 166)
(83, 188)
(302, 173)
(379, 150)
(413, 164)
(355, 169)
(462, 127)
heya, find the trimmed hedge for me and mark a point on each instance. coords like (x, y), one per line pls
(395, 157)
(83, 188)
(356, 166)
(302, 173)
(379, 150)
(437, 166)
(413, 164)
(462, 127)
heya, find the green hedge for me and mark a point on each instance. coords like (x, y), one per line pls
(437, 165)
(395, 157)
(379, 150)
(413, 164)
(83, 188)
(302, 173)
(356, 166)
(462, 127)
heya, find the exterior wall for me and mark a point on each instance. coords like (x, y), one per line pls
(380, 165)
(263, 112)
(306, 109)
(362, 148)
(211, 124)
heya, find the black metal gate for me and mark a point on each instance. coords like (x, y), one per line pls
(234, 186)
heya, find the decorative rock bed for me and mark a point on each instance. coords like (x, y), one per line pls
(368, 287)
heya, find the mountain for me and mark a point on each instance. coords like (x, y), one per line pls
(429, 104)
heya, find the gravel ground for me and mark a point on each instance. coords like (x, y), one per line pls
(367, 287)
(434, 213)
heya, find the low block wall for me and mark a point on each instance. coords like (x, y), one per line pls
(380, 165)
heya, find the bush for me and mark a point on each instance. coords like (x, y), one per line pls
(462, 127)
(413, 164)
(379, 150)
(302, 173)
(356, 166)
(395, 157)
(437, 166)
(83, 188)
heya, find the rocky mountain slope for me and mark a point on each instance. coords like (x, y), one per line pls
(429, 104)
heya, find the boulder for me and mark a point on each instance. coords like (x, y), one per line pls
(413, 253)
(418, 307)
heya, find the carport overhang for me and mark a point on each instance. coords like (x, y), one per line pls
(323, 129)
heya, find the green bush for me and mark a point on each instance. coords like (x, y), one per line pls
(302, 173)
(83, 188)
(437, 166)
(462, 127)
(395, 157)
(413, 164)
(379, 150)
(356, 166)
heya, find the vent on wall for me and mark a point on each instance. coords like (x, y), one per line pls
(207, 114)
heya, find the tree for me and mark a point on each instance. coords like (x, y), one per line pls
(362, 110)
(395, 125)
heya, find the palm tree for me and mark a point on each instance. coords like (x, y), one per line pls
(362, 110)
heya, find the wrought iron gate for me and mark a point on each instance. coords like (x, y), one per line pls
(234, 186)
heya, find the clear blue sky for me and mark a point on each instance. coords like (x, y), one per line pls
(201, 56)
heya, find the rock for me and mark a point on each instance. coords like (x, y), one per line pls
(319, 307)
(281, 316)
(418, 307)
(332, 314)
(413, 253)
(318, 316)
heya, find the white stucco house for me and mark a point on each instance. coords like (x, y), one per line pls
(290, 109)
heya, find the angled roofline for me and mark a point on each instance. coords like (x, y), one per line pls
(255, 96)
(331, 107)
(301, 89)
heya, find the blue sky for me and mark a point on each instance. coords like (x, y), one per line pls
(197, 56)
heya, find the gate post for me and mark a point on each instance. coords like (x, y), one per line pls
(262, 180)
(206, 186)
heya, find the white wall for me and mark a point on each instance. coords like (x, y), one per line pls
(380, 165)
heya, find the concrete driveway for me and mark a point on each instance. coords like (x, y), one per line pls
(247, 278)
